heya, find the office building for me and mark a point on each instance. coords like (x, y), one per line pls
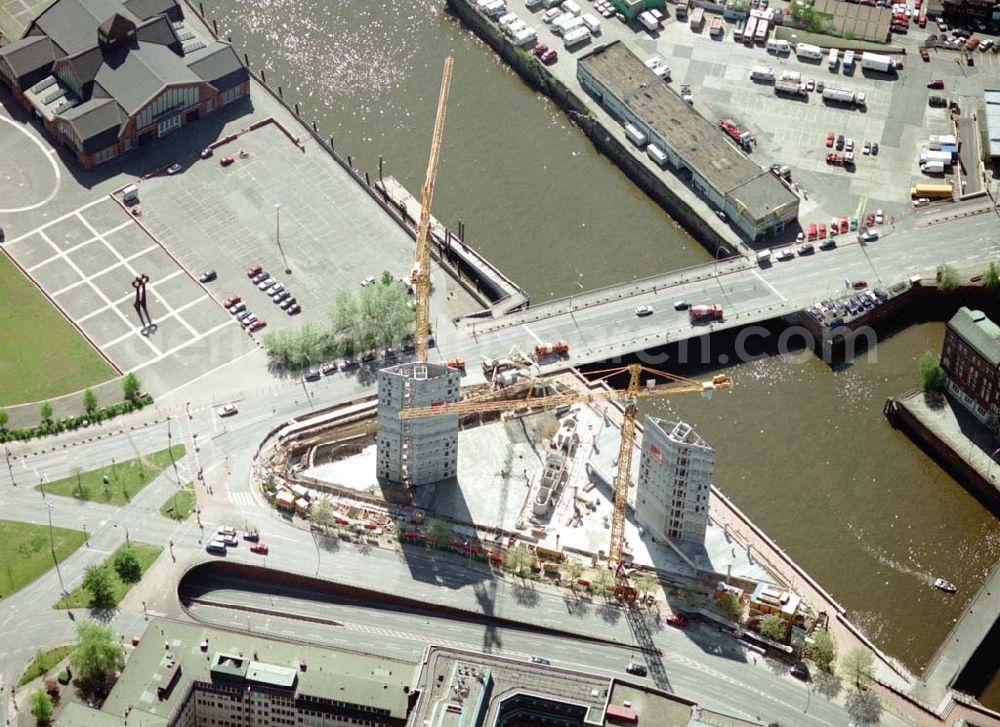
(675, 473)
(971, 361)
(416, 451)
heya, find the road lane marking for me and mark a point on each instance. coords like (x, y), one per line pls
(773, 289)
(531, 333)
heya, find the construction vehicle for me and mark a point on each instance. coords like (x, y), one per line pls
(420, 275)
(526, 403)
(514, 361)
(456, 363)
(545, 350)
(705, 312)
(733, 131)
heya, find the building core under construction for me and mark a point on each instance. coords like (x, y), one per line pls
(417, 451)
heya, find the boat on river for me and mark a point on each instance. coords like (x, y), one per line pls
(946, 586)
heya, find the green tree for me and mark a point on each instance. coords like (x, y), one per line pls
(931, 374)
(947, 278)
(991, 279)
(729, 606)
(604, 580)
(773, 627)
(97, 656)
(45, 411)
(322, 512)
(131, 386)
(387, 278)
(97, 580)
(691, 599)
(127, 566)
(4, 418)
(41, 707)
(858, 665)
(864, 707)
(518, 559)
(646, 584)
(571, 569)
(89, 401)
(438, 533)
(821, 649)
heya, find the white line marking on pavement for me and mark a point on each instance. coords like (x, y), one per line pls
(57, 220)
(184, 345)
(102, 272)
(773, 289)
(49, 155)
(531, 333)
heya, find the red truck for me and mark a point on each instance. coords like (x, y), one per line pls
(545, 350)
(705, 313)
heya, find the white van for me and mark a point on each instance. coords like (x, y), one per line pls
(635, 136)
(575, 35)
(592, 23)
(780, 47)
(130, 195)
(764, 258)
(809, 52)
(832, 60)
(570, 7)
(567, 23)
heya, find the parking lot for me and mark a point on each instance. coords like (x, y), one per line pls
(792, 132)
(230, 218)
(86, 261)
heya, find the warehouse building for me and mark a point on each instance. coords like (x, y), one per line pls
(675, 476)
(106, 76)
(756, 202)
(416, 451)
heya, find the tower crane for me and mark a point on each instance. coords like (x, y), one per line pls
(629, 397)
(420, 275)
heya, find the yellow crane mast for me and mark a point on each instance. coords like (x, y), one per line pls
(420, 276)
(629, 396)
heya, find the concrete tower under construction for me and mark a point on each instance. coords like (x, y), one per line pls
(416, 451)
(675, 473)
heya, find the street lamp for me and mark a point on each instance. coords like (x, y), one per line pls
(125, 527)
(277, 236)
(52, 547)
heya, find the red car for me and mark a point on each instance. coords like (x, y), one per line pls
(859, 284)
(677, 619)
(822, 230)
(550, 56)
(925, 55)
(844, 225)
(870, 219)
(922, 21)
(829, 139)
(226, 161)
(812, 232)
(254, 269)
(935, 83)
(259, 548)
(257, 325)
(539, 50)
(231, 301)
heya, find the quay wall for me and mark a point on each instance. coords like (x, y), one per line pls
(536, 75)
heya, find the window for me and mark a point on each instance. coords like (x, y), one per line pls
(168, 124)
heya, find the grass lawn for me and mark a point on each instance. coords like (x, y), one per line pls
(36, 366)
(80, 597)
(125, 478)
(25, 552)
(180, 504)
(43, 661)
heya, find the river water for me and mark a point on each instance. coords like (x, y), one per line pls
(803, 449)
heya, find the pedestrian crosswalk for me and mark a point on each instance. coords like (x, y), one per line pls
(243, 500)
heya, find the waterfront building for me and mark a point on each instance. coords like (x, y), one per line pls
(675, 474)
(971, 361)
(754, 200)
(769, 600)
(416, 451)
(107, 76)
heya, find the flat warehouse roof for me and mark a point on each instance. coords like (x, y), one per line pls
(691, 136)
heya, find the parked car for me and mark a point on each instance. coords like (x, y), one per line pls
(806, 249)
(174, 168)
(867, 148)
(208, 276)
(254, 270)
(828, 244)
(677, 619)
(252, 536)
(226, 161)
(248, 320)
(830, 137)
(859, 284)
(879, 216)
(874, 148)
(266, 283)
(935, 83)
(231, 301)
(539, 50)
(294, 309)
(329, 369)
(227, 410)
(287, 303)
(784, 253)
(313, 374)
(370, 280)
(275, 289)
(238, 308)
(840, 142)
(280, 296)
(869, 235)
(259, 276)
(550, 56)
(206, 152)
(256, 325)
(260, 548)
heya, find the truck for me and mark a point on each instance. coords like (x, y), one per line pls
(575, 36)
(681, 11)
(936, 141)
(779, 47)
(848, 64)
(635, 136)
(733, 132)
(762, 74)
(945, 157)
(649, 21)
(878, 62)
(749, 29)
(701, 313)
(558, 348)
(832, 60)
(843, 96)
(790, 88)
(592, 23)
(807, 52)
(761, 35)
(764, 257)
(656, 154)
(793, 76)
(565, 23)
(932, 167)
(697, 21)
(715, 29)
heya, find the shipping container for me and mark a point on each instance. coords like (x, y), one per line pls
(635, 136)
(656, 154)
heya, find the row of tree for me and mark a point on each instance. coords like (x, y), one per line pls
(948, 278)
(377, 316)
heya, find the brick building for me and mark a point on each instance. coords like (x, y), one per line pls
(106, 76)
(971, 360)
